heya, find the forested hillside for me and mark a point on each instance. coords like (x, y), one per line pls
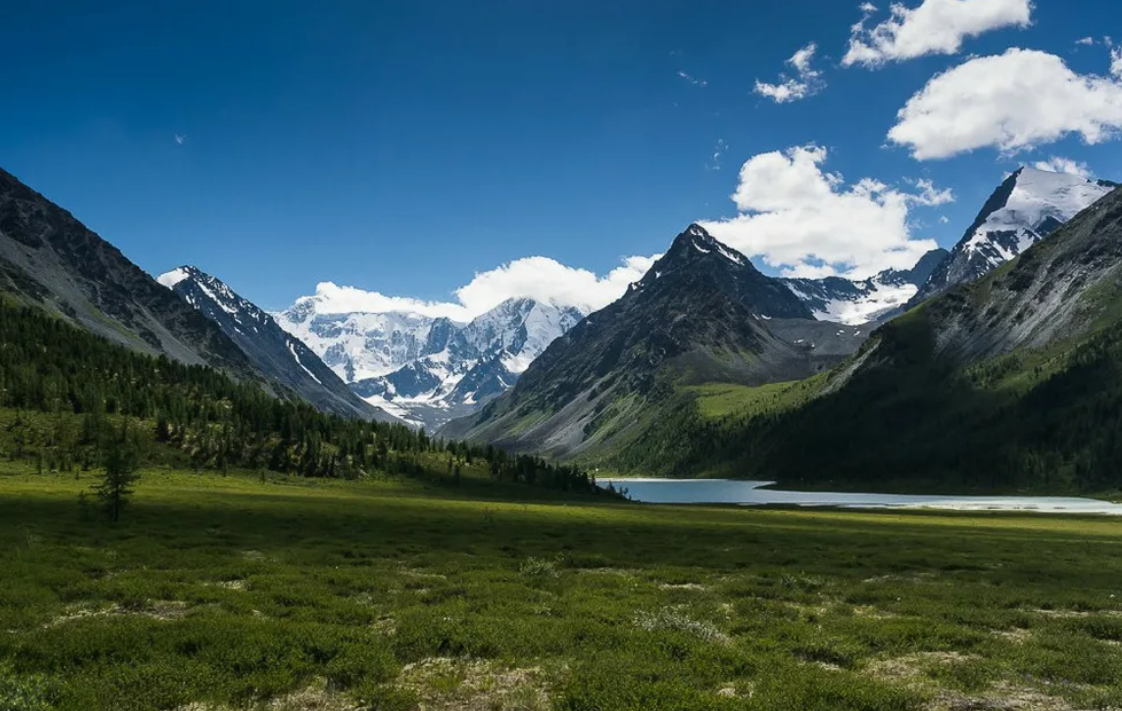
(1011, 383)
(85, 384)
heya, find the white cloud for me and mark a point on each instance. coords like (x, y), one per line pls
(538, 278)
(805, 221)
(930, 195)
(180, 139)
(944, 220)
(935, 27)
(693, 80)
(1116, 62)
(1064, 165)
(1086, 41)
(805, 82)
(719, 151)
(1013, 101)
(548, 280)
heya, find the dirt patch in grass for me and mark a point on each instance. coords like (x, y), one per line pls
(873, 613)
(444, 684)
(314, 698)
(695, 587)
(1003, 697)
(156, 609)
(913, 667)
(1075, 614)
(1016, 635)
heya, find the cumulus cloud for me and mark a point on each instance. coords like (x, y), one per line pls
(1012, 102)
(538, 278)
(1116, 62)
(805, 80)
(1064, 165)
(932, 196)
(935, 27)
(808, 222)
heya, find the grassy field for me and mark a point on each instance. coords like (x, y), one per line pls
(219, 593)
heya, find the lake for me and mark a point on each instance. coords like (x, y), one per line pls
(750, 493)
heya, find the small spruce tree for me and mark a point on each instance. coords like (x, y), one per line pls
(122, 459)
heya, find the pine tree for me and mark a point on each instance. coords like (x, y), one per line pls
(121, 461)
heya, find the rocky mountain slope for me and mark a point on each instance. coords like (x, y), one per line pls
(429, 370)
(702, 314)
(858, 302)
(1026, 208)
(275, 353)
(50, 259)
(1012, 382)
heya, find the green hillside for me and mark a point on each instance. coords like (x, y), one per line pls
(1013, 383)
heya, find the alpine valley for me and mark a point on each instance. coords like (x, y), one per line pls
(708, 366)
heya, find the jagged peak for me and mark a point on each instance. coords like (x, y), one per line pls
(697, 239)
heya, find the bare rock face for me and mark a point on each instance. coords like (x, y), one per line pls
(275, 353)
(50, 259)
(703, 313)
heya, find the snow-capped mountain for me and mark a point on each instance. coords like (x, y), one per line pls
(424, 369)
(274, 352)
(857, 302)
(1026, 208)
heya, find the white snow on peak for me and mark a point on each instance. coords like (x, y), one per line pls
(170, 279)
(729, 254)
(1038, 197)
(701, 249)
(433, 354)
(881, 299)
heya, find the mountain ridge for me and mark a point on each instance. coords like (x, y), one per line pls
(429, 370)
(50, 259)
(703, 312)
(274, 352)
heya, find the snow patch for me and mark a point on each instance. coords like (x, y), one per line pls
(174, 277)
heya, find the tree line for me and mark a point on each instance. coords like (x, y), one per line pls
(86, 383)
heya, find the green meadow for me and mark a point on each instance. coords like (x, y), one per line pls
(260, 592)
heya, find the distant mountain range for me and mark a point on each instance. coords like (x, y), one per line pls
(857, 302)
(275, 353)
(528, 375)
(704, 317)
(429, 370)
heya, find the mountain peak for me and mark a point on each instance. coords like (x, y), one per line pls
(1028, 206)
(696, 242)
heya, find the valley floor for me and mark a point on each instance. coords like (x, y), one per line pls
(218, 593)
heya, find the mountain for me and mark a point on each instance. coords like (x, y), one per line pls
(429, 370)
(1026, 208)
(51, 260)
(858, 302)
(1010, 383)
(702, 314)
(275, 353)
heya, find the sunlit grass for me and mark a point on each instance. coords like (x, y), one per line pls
(227, 592)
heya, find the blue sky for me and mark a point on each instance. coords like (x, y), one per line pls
(402, 147)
